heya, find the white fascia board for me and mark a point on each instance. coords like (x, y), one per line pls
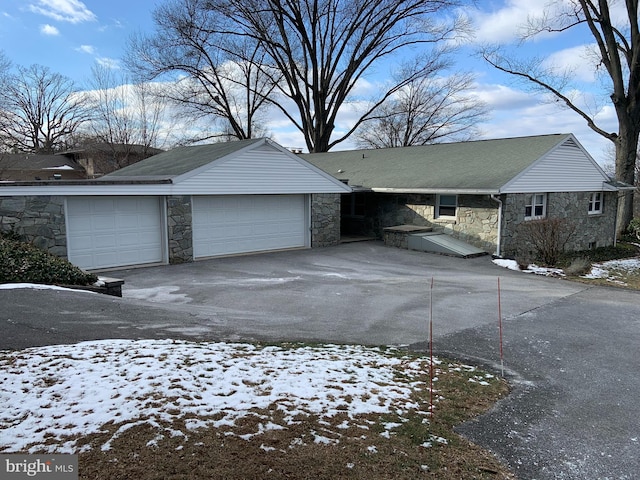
(608, 187)
(87, 190)
(437, 191)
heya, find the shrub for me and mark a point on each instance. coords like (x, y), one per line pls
(579, 266)
(548, 236)
(24, 263)
(600, 254)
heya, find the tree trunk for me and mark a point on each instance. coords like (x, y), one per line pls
(626, 148)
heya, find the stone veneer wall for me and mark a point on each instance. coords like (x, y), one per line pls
(591, 230)
(39, 219)
(179, 227)
(476, 222)
(325, 219)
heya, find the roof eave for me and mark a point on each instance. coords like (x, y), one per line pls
(439, 191)
(616, 186)
(93, 182)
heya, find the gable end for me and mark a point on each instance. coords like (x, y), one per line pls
(566, 168)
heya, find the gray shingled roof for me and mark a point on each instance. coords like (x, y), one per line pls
(32, 161)
(483, 165)
(181, 160)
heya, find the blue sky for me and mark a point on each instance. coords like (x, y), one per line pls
(70, 36)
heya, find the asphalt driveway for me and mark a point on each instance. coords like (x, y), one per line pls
(571, 351)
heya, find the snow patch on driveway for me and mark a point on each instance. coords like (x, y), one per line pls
(161, 294)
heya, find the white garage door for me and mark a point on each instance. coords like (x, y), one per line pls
(229, 224)
(107, 232)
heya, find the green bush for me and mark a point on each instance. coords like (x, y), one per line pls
(24, 263)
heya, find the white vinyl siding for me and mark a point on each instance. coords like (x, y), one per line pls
(567, 168)
(105, 232)
(232, 224)
(260, 171)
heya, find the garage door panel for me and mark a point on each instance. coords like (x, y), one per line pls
(112, 232)
(225, 225)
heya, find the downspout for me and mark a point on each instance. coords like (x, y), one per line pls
(499, 242)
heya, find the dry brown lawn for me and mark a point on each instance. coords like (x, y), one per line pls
(313, 447)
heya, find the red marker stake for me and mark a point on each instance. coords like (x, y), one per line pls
(500, 328)
(431, 348)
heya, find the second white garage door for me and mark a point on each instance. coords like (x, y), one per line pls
(230, 224)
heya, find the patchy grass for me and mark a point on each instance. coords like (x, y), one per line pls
(376, 447)
(284, 439)
(621, 273)
(611, 266)
(602, 254)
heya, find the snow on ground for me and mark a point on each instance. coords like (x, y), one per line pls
(513, 265)
(55, 391)
(37, 286)
(605, 270)
(161, 294)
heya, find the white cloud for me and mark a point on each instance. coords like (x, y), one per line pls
(107, 62)
(508, 21)
(581, 61)
(501, 97)
(72, 11)
(86, 49)
(49, 30)
(503, 24)
(534, 114)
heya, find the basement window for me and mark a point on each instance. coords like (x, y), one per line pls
(446, 206)
(595, 203)
(536, 206)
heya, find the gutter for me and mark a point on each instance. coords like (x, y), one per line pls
(499, 242)
(441, 191)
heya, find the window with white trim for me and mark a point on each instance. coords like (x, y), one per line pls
(446, 206)
(595, 203)
(536, 206)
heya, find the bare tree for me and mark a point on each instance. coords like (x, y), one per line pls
(427, 110)
(323, 48)
(39, 110)
(618, 48)
(217, 76)
(127, 117)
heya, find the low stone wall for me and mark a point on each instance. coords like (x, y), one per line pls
(476, 222)
(398, 236)
(325, 219)
(179, 227)
(39, 219)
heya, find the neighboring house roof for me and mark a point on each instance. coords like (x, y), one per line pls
(182, 159)
(257, 166)
(113, 148)
(526, 164)
(29, 166)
